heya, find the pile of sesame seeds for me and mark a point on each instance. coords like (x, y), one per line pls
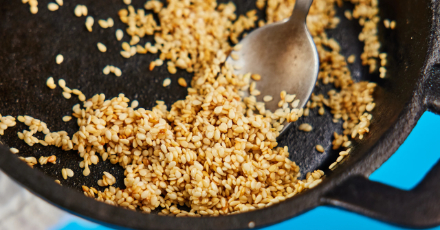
(215, 152)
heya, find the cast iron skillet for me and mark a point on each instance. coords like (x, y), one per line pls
(29, 44)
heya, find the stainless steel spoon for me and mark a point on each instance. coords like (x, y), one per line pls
(285, 56)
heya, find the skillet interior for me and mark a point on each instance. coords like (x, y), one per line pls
(30, 43)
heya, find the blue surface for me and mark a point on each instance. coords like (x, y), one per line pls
(420, 150)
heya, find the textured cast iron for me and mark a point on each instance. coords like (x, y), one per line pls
(30, 43)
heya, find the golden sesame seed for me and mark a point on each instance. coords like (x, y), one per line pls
(52, 6)
(351, 59)
(119, 34)
(67, 95)
(319, 148)
(101, 47)
(14, 150)
(256, 77)
(78, 10)
(62, 83)
(182, 82)
(59, 59)
(267, 98)
(393, 25)
(51, 83)
(67, 118)
(59, 2)
(103, 23)
(166, 82)
(106, 70)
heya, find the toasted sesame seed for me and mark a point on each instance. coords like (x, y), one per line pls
(84, 10)
(393, 25)
(106, 70)
(117, 72)
(52, 6)
(134, 104)
(89, 23)
(78, 10)
(82, 97)
(67, 118)
(166, 82)
(64, 173)
(256, 77)
(119, 34)
(58, 182)
(102, 47)
(59, 59)
(14, 150)
(238, 47)
(386, 23)
(103, 23)
(295, 103)
(182, 82)
(128, 2)
(267, 98)
(351, 59)
(59, 2)
(62, 83)
(348, 14)
(319, 148)
(69, 172)
(67, 95)
(235, 56)
(34, 9)
(110, 22)
(251, 224)
(305, 127)
(50, 83)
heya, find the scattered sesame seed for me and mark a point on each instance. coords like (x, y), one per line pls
(34, 9)
(78, 10)
(117, 72)
(267, 98)
(62, 83)
(110, 22)
(103, 23)
(67, 95)
(84, 10)
(235, 56)
(351, 59)
(134, 104)
(319, 148)
(166, 82)
(102, 47)
(106, 70)
(386, 23)
(50, 83)
(52, 6)
(67, 118)
(59, 59)
(393, 25)
(182, 82)
(59, 2)
(305, 127)
(128, 2)
(256, 77)
(119, 34)
(14, 150)
(89, 23)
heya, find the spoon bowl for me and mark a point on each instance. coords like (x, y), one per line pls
(283, 54)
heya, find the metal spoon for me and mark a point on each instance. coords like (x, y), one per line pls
(285, 56)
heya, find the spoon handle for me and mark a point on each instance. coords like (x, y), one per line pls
(300, 10)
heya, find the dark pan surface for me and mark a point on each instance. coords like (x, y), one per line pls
(30, 43)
